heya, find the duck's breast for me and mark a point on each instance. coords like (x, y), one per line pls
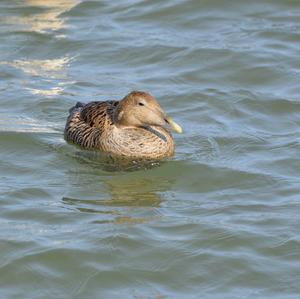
(149, 142)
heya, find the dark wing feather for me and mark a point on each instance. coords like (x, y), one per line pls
(98, 114)
(87, 122)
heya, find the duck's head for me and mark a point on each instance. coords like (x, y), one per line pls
(140, 109)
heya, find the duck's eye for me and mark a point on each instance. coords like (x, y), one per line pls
(141, 104)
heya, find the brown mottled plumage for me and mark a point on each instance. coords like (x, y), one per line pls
(133, 127)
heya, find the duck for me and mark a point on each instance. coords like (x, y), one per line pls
(134, 127)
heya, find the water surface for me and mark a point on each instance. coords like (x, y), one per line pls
(221, 220)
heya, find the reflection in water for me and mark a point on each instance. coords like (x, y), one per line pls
(50, 70)
(48, 19)
(47, 67)
(13, 123)
(136, 191)
(47, 92)
(131, 192)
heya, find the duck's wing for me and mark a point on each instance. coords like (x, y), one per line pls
(87, 122)
(98, 114)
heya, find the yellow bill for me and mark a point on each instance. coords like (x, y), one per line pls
(173, 125)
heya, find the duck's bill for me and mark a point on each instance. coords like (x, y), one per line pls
(173, 125)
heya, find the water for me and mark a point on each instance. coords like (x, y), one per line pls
(221, 220)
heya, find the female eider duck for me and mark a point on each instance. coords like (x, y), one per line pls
(134, 127)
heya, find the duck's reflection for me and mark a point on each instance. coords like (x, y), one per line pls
(127, 198)
(129, 192)
(138, 192)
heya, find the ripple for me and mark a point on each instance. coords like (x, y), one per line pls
(220, 220)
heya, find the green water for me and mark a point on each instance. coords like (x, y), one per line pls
(221, 220)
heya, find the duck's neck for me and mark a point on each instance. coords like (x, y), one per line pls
(156, 132)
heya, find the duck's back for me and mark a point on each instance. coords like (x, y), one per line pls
(88, 122)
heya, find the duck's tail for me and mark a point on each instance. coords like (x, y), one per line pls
(78, 105)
